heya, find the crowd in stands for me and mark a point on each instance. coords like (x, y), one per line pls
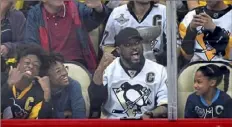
(128, 74)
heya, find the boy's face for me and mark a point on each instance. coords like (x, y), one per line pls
(30, 66)
(58, 74)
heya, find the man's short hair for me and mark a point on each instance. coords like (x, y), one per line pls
(55, 57)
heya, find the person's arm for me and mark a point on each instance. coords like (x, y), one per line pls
(77, 101)
(221, 40)
(5, 90)
(97, 95)
(97, 90)
(162, 97)
(17, 22)
(45, 107)
(188, 36)
(32, 29)
(108, 42)
(189, 109)
(92, 18)
(18, 26)
(192, 4)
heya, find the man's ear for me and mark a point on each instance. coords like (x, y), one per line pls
(118, 50)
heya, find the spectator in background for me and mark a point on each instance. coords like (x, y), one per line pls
(63, 26)
(208, 101)
(132, 86)
(27, 5)
(196, 3)
(206, 33)
(136, 14)
(12, 27)
(66, 93)
(23, 97)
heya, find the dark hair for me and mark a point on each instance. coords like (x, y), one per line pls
(55, 57)
(23, 50)
(215, 72)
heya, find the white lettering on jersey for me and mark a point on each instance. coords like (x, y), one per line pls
(219, 109)
(203, 113)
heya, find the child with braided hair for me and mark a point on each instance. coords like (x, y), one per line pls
(208, 101)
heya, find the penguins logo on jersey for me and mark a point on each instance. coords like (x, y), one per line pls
(132, 98)
(15, 110)
(121, 19)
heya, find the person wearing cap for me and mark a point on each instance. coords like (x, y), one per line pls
(128, 86)
(137, 14)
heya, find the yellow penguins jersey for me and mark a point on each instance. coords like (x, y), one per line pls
(26, 104)
(205, 50)
(123, 16)
(131, 92)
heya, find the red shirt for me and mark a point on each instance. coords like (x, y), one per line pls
(62, 34)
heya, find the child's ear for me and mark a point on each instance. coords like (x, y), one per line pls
(213, 82)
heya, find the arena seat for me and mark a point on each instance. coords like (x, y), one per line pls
(186, 81)
(79, 73)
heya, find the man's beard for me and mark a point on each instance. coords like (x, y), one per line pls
(135, 65)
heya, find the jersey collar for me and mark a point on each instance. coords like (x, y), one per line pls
(132, 72)
(203, 101)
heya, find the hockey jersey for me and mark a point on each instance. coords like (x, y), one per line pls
(121, 18)
(196, 106)
(131, 93)
(26, 104)
(203, 50)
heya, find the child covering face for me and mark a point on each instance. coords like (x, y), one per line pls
(208, 101)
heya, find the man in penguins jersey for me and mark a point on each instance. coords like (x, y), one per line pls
(133, 87)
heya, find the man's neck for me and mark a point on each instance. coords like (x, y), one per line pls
(125, 64)
(52, 9)
(220, 6)
(141, 9)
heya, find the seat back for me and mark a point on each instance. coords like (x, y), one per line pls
(79, 73)
(186, 81)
